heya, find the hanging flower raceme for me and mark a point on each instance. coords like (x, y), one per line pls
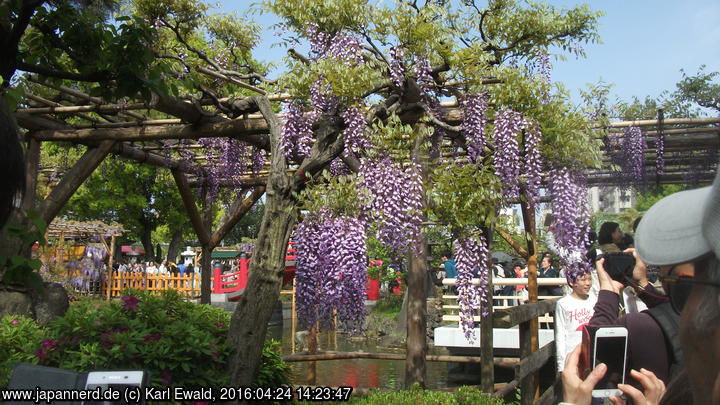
(258, 160)
(570, 209)
(473, 125)
(332, 270)
(508, 125)
(342, 46)
(634, 155)
(396, 205)
(397, 70)
(296, 133)
(354, 132)
(226, 159)
(532, 166)
(471, 257)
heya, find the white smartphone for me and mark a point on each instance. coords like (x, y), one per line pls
(610, 348)
(118, 380)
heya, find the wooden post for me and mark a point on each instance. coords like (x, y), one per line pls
(417, 279)
(293, 319)
(487, 366)
(527, 383)
(528, 213)
(312, 340)
(110, 265)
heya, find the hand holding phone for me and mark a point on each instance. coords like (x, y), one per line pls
(610, 348)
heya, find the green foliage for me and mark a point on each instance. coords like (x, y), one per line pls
(179, 342)
(416, 29)
(148, 194)
(330, 15)
(463, 396)
(20, 339)
(647, 199)
(348, 82)
(388, 307)
(341, 195)
(396, 139)
(19, 269)
(465, 196)
(567, 138)
(702, 89)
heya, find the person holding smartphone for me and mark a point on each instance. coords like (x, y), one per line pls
(681, 235)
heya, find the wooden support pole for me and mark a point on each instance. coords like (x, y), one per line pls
(110, 267)
(207, 248)
(72, 180)
(527, 386)
(190, 207)
(528, 213)
(239, 208)
(487, 376)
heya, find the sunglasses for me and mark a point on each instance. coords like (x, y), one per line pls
(678, 288)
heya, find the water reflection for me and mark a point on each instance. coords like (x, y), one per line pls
(363, 373)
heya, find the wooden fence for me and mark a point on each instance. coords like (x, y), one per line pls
(188, 285)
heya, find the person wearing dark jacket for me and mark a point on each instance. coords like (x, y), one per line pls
(681, 235)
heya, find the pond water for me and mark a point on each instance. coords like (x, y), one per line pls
(358, 373)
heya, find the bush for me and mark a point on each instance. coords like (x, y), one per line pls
(20, 340)
(463, 396)
(179, 342)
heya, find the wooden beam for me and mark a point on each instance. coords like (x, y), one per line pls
(72, 180)
(507, 318)
(190, 207)
(99, 108)
(535, 361)
(153, 159)
(251, 131)
(239, 208)
(667, 121)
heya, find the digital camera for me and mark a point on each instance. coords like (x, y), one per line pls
(619, 266)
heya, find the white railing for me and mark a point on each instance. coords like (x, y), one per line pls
(507, 300)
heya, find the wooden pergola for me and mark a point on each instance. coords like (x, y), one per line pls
(167, 132)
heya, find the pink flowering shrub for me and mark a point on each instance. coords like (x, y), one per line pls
(179, 342)
(20, 340)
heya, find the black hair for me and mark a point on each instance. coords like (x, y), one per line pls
(636, 222)
(606, 231)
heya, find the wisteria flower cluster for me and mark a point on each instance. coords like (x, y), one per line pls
(508, 126)
(570, 209)
(659, 153)
(258, 159)
(634, 154)
(91, 268)
(422, 70)
(331, 270)
(296, 132)
(396, 205)
(471, 256)
(227, 158)
(532, 166)
(473, 125)
(355, 139)
(342, 46)
(397, 70)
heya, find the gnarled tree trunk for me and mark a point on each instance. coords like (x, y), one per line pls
(248, 326)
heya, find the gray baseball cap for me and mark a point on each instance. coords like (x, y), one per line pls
(671, 232)
(711, 220)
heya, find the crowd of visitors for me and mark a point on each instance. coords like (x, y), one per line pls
(151, 267)
(673, 344)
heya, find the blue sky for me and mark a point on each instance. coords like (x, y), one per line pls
(645, 44)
